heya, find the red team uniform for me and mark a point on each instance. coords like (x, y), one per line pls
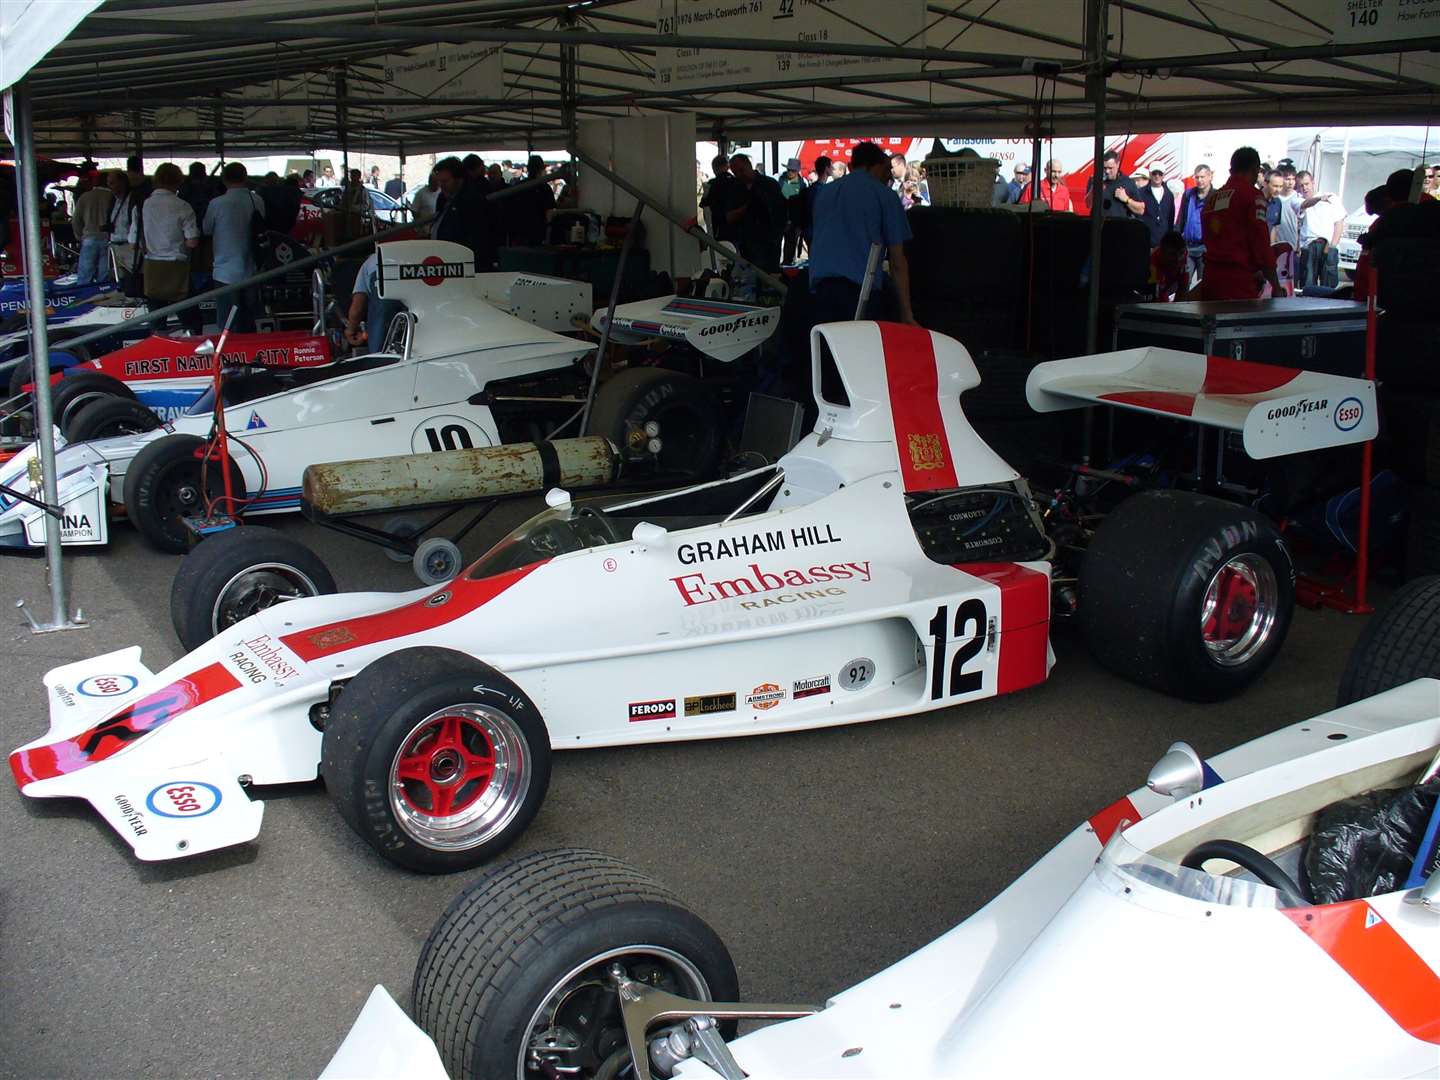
(1237, 242)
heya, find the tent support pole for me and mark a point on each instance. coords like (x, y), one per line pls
(29, 197)
(1096, 18)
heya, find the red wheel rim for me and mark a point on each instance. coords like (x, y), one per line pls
(446, 766)
(1237, 601)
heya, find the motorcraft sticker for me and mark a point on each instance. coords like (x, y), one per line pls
(856, 674)
(765, 696)
(107, 685)
(811, 687)
(652, 710)
(183, 799)
(705, 704)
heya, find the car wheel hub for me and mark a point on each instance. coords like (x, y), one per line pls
(1239, 610)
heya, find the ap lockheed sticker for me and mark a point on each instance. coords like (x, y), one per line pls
(183, 799)
(107, 685)
(856, 675)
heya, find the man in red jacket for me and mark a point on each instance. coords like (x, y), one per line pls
(1238, 258)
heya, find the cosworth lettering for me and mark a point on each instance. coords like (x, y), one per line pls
(1298, 408)
(758, 543)
(698, 589)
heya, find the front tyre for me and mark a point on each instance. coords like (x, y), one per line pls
(168, 481)
(232, 575)
(1187, 594)
(1401, 642)
(515, 978)
(437, 760)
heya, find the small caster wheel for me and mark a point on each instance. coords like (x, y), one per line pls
(436, 560)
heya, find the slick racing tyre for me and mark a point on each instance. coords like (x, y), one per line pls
(1186, 594)
(641, 405)
(168, 482)
(234, 574)
(104, 417)
(1401, 642)
(437, 760)
(61, 356)
(76, 391)
(519, 976)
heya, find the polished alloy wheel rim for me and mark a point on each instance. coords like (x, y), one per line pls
(256, 588)
(1239, 610)
(460, 777)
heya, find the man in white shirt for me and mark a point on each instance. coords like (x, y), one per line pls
(167, 232)
(1322, 220)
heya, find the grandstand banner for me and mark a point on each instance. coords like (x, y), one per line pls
(894, 23)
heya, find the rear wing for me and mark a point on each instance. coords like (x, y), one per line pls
(1277, 410)
(718, 328)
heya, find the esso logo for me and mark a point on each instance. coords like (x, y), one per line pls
(107, 685)
(1348, 414)
(183, 799)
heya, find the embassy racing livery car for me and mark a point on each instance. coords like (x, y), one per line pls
(890, 564)
(570, 963)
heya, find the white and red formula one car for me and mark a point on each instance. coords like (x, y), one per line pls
(890, 564)
(1242, 909)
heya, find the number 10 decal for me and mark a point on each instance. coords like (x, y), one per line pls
(970, 613)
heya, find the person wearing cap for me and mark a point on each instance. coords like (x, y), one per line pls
(1159, 213)
(1238, 256)
(1020, 181)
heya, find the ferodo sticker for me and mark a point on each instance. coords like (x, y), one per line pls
(107, 685)
(652, 710)
(765, 696)
(183, 799)
(432, 270)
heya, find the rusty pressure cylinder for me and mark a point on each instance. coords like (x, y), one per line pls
(369, 485)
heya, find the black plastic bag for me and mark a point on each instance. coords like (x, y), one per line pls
(1365, 845)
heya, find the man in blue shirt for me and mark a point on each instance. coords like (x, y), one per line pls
(230, 221)
(1191, 203)
(851, 214)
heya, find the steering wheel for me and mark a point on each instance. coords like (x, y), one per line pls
(1247, 858)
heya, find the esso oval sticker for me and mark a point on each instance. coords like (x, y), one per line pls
(856, 674)
(107, 685)
(1348, 414)
(183, 799)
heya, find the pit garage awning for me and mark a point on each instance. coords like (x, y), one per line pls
(428, 74)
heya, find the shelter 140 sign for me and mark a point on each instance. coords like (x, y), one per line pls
(1385, 20)
(896, 23)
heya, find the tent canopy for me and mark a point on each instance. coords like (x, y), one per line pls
(273, 74)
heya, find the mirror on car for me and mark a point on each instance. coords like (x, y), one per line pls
(1179, 773)
(557, 497)
(651, 535)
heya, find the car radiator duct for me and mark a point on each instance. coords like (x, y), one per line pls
(369, 485)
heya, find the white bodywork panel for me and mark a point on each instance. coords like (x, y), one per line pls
(722, 329)
(558, 304)
(806, 614)
(1277, 410)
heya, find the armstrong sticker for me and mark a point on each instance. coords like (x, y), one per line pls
(107, 685)
(705, 704)
(765, 696)
(811, 687)
(183, 799)
(1349, 413)
(652, 710)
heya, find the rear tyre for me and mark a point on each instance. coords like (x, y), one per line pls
(1186, 594)
(232, 575)
(105, 417)
(515, 980)
(1401, 642)
(24, 371)
(77, 390)
(684, 414)
(437, 760)
(168, 482)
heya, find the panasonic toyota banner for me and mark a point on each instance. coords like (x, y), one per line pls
(895, 23)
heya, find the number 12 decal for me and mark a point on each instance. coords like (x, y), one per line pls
(970, 613)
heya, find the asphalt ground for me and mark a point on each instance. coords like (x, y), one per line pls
(820, 857)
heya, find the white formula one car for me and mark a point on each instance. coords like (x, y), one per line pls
(1213, 903)
(455, 372)
(890, 564)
